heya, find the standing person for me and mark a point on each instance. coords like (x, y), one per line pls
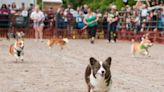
(22, 6)
(105, 24)
(4, 9)
(31, 8)
(13, 8)
(38, 17)
(112, 24)
(60, 23)
(91, 22)
(85, 9)
(69, 17)
(79, 21)
(162, 18)
(51, 16)
(125, 2)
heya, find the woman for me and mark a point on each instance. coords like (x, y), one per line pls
(91, 22)
(13, 9)
(38, 19)
(112, 24)
(4, 9)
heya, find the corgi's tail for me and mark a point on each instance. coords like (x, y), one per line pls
(11, 49)
(66, 40)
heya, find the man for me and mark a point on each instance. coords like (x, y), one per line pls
(50, 16)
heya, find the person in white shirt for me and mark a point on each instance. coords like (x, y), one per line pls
(38, 22)
(24, 13)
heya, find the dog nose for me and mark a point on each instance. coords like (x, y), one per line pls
(102, 72)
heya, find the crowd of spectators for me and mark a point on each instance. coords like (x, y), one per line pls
(144, 16)
(12, 9)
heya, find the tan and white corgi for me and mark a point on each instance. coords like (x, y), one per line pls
(57, 41)
(16, 50)
(142, 47)
(98, 75)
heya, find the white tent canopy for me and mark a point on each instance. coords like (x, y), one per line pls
(53, 1)
(18, 2)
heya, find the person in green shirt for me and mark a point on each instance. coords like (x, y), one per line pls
(90, 21)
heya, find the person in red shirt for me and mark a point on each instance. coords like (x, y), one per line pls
(4, 9)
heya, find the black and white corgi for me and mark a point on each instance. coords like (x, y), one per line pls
(98, 75)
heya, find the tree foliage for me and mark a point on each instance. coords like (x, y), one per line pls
(94, 4)
(97, 4)
(39, 2)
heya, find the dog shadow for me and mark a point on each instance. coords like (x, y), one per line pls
(143, 57)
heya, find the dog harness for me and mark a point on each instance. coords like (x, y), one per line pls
(18, 51)
(143, 46)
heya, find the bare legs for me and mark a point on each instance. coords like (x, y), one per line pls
(40, 30)
(38, 33)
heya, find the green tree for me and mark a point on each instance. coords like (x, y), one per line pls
(131, 2)
(119, 4)
(39, 2)
(97, 4)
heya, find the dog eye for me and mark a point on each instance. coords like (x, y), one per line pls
(97, 67)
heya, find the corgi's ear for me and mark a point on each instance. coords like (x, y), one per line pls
(108, 60)
(92, 60)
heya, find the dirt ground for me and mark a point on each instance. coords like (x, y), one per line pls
(56, 70)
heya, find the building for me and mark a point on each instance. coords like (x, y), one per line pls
(55, 4)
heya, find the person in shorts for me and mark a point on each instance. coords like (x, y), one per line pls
(38, 17)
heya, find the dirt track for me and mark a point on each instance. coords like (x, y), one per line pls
(53, 70)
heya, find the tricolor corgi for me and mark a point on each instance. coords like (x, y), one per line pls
(57, 41)
(16, 50)
(98, 75)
